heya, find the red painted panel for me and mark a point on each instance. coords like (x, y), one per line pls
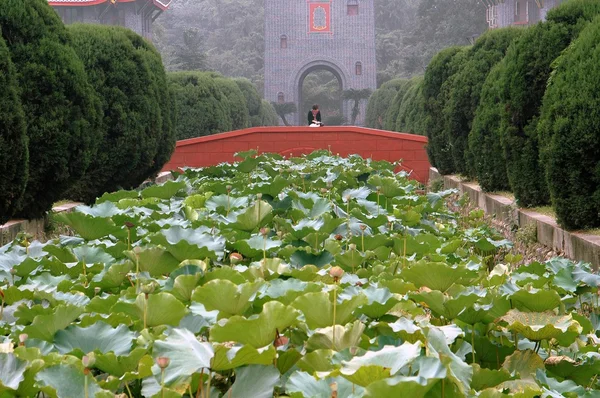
(378, 144)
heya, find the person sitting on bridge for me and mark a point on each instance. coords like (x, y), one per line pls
(314, 117)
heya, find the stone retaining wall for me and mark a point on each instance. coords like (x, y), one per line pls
(575, 245)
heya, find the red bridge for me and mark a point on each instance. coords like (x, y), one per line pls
(295, 141)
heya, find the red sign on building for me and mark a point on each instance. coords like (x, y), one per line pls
(319, 17)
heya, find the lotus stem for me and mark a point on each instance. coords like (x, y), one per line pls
(137, 274)
(128, 390)
(145, 310)
(265, 249)
(443, 388)
(85, 383)
(473, 343)
(404, 254)
(334, 313)
(362, 240)
(316, 241)
(128, 238)
(208, 385)
(200, 384)
(162, 383)
(2, 306)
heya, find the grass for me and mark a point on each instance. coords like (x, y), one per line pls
(506, 194)
(545, 210)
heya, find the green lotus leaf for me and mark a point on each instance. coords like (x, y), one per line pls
(274, 186)
(12, 371)
(514, 388)
(197, 201)
(380, 301)
(421, 245)
(189, 244)
(459, 372)
(221, 202)
(564, 387)
(535, 300)
(286, 291)
(164, 191)
(449, 307)
(113, 276)
(118, 366)
(100, 336)
(564, 280)
(301, 258)
(318, 308)
(257, 331)
(378, 365)
(388, 186)
(436, 276)
(256, 381)
(253, 247)
(302, 384)
(68, 381)
(485, 378)
(187, 355)
(184, 287)
(346, 336)
(537, 326)
(430, 372)
(350, 260)
(581, 371)
(254, 217)
(163, 309)
(227, 358)
(44, 327)
(358, 193)
(317, 361)
(154, 260)
(88, 227)
(525, 364)
(117, 196)
(225, 296)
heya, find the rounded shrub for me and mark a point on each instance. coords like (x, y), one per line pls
(485, 155)
(267, 115)
(238, 110)
(528, 69)
(463, 99)
(137, 135)
(380, 101)
(439, 70)
(61, 107)
(569, 131)
(201, 107)
(14, 154)
(411, 114)
(253, 99)
(391, 115)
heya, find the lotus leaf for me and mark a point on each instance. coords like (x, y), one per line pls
(318, 308)
(257, 381)
(345, 337)
(68, 381)
(436, 276)
(537, 326)
(100, 336)
(225, 296)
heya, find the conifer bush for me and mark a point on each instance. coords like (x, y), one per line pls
(137, 136)
(465, 90)
(240, 115)
(267, 115)
(438, 71)
(201, 107)
(569, 132)
(380, 101)
(253, 100)
(528, 69)
(411, 114)
(391, 115)
(14, 153)
(61, 107)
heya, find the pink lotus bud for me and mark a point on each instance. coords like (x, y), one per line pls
(235, 258)
(163, 362)
(88, 360)
(336, 272)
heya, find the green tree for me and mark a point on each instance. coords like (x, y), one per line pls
(380, 102)
(238, 110)
(137, 138)
(356, 96)
(412, 110)
(14, 153)
(391, 116)
(267, 115)
(253, 99)
(189, 55)
(62, 109)
(201, 107)
(568, 132)
(465, 90)
(441, 68)
(284, 109)
(528, 69)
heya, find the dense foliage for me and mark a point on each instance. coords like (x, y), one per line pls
(393, 111)
(238, 108)
(134, 105)
(253, 100)
(435, 93)
(380, 101)
(14, 153)
(250, 280)
(568, 132)
(411, 115)
(61, 108)
(464, 94)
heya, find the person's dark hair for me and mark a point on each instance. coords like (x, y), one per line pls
(315, 107)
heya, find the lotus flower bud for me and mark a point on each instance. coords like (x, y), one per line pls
(347, 197)
(378, 189)
(163, 362)
(323, 190)
(264, 231)
(339, 237)
(280, 341)
(129, 224)
(235, 258)
(259, 196)
(228, 187)
(97, 291)
(336, 272)
(352, 246)
(13, 271)
(148, 288)
(22, 338)
(363, 227)
(137, 250)
(88, 360)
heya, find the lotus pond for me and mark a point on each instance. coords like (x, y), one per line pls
(306, 277)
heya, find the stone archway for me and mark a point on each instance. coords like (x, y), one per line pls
(309, 68)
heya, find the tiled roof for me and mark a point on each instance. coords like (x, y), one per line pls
(163, 4)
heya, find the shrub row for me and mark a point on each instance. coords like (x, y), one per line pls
(85, 110)
(518, 110)
(207, 103)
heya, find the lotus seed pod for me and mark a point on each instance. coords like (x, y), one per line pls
(148, 288)
(378, 189)
(163, 362)
(89, 360)
(339, 237)
(228, 187)
(352, 246)
(336, 272)
(323, 190)
(348, 197)
(259, 196)
(235, 258)
(97, 291)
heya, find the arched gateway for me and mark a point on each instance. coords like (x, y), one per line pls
(303, 36)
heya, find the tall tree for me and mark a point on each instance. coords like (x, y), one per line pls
(284, 109)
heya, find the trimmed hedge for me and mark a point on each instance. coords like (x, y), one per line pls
(200, 105)
(130, 80)
(391, 116)
(62, 109)
(267, 115)
(411, 116)
(485, 155)
(14, 153)
(253, 100)
(435, 88)
(528, 69)
(465, 90)
(569, 132)
(380, 101)
(238, 110)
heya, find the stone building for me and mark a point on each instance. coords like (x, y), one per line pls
(303, 36)
(502, 13)
(137, 15)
